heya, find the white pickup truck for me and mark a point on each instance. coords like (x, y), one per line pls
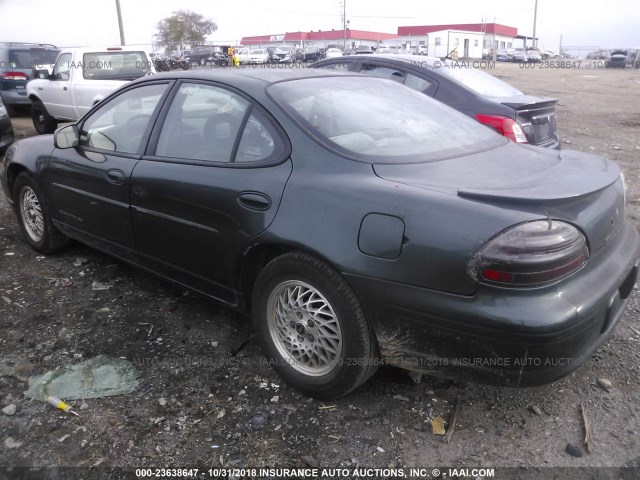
(82, 77)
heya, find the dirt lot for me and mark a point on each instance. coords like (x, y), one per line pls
(207, 399)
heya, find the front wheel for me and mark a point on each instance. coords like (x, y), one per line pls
(312, 327)
(34, 218)
(42, 121)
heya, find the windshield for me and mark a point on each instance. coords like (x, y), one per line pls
(480, 82)
(118, 65)
(29, 58)
(283, 49)
(380, 121)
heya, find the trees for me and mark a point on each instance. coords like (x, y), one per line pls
(183, 26)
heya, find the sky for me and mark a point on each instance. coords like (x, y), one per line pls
(65, 23)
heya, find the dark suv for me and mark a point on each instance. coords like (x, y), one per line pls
(206, 54)
(17, 63)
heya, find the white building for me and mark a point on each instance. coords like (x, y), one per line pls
(468, 40)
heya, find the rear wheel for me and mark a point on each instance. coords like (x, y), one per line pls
(42, 121)
(34, 218)
(312, 327)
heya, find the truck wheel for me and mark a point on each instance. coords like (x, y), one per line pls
(312, 328)
(42, 121)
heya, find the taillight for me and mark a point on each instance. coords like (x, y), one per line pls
(530, 254)
(14, 76)
(505, 126)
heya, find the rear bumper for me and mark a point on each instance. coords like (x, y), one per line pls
(14, 97)
(504, 337)
(553, 143)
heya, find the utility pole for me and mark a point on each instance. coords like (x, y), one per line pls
(120, 22)
(495, 44)
(535, 18)
(344, 24)
(560, 47)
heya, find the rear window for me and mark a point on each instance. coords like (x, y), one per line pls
(28, 58)
(480, 82)
(117, 65)
(380, 121)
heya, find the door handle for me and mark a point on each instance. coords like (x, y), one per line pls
(254, 201)
(64, 88)
(115, 176)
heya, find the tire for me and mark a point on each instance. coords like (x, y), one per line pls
(323, 363)
(34, 218)
(42, 121)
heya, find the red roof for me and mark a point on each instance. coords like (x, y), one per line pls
(469, 27)
(319, 36)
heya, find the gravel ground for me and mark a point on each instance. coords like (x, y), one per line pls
(207, 398)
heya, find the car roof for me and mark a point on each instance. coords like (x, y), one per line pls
(103, 49)
(240, 76)
(26, 45)
(412, 60)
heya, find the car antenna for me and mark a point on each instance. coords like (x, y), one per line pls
(448, 56)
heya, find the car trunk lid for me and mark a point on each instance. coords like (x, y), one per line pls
(572, 186)
(536, 116)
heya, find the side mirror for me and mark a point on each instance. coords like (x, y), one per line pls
(66, 137)
(42, 74)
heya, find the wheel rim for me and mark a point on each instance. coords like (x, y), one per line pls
(31, 213)
(304, 328)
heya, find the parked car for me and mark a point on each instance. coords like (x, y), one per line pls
(80, 79)
(533, 55)
(258, 56)
(203, 55)
(333, 53)
(283, 54)
(493, 102)
(385, 50)
(17, 63)
(519, 55)
(363, 50)
(449, 247)
(6, 130)
(503, 56)
(271, 53)
(313, 54)
(598, 55)
(243, 55)
(421, 50)
(617, 59)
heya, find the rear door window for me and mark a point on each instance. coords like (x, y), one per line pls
(421, 84)
(382, 72)
(207, 122)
